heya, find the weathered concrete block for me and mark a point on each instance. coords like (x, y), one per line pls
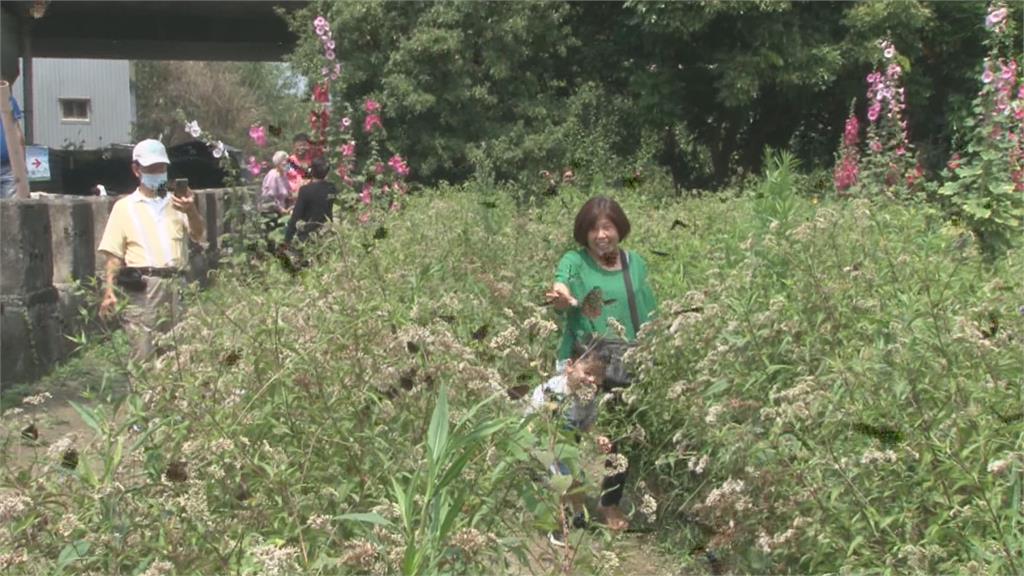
(100, 208)
(32, 340)
(26, 259)
(73, 241)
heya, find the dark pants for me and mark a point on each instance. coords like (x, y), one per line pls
(612, 484)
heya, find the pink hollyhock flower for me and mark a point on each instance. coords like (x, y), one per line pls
(378, 168)
(889, 52)
(900, 151)
(987, 76)
(329, 54)
(258, 135)
(873, 111)
(1008, 72)
(320, 22)
(850, 134)
(366, 196)
(345, 123)
(846, 174)
(321, 94)
(348, 149)
(372, 121)
(254, 166)
(193, 128)
(876, 146)
(894, 70)
(398, 165)
(995, 17)
(371, 105)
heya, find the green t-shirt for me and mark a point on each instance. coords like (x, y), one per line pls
(581, 274)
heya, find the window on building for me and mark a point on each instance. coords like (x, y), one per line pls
(74, 109)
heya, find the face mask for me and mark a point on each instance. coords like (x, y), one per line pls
(154, 181)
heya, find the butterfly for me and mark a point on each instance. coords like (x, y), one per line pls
(593, 303)
(70, 459)
(177, 471)
(230, 358)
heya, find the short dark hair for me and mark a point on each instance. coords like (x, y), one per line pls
(593, 356)
(592, 211)
(318, 168)
(301, 137)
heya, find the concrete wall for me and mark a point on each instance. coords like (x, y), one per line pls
(46, 246)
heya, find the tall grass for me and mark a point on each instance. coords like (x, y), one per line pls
(830, 387)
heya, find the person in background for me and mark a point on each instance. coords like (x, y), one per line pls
(315, 203)
(7, 184)
(277, 193)
(299, 162)
(146, 245)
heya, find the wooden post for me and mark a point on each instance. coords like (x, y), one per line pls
(15, 142)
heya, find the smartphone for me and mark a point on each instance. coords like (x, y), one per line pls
(181, 187)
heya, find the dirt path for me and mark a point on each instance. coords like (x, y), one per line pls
(88, 380)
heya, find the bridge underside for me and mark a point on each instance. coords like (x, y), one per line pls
(178, 30)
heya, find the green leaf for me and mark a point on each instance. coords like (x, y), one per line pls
(367, 517)
(437, 434)
(450, 515)
(88, 416)
(72, 552)
(560, 483)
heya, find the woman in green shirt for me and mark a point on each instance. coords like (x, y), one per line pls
(590, 285)
(600, 226)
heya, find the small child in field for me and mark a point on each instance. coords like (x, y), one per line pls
(575, 392)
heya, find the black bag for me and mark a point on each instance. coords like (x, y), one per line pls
(611, 350)
(131, 280)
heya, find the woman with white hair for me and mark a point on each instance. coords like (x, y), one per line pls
(277, 194)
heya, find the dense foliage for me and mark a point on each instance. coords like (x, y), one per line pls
(225, 97)
(829, 386)
(503, 90)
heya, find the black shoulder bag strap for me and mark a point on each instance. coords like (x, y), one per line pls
(633, 314)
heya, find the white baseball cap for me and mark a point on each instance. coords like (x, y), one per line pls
(149, 152)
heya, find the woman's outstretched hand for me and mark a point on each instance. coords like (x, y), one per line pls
(560, 297)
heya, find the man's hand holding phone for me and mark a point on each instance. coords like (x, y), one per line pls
(183, 200)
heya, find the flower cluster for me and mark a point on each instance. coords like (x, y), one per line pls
(332, 69)
(996, 19)
(258, 134)
(888, 162)
(217, 147)
(847, 168)
(986, 180)
(362, 170)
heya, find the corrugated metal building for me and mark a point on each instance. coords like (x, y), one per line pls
(81, 104)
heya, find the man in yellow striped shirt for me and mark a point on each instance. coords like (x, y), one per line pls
(147, 250)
